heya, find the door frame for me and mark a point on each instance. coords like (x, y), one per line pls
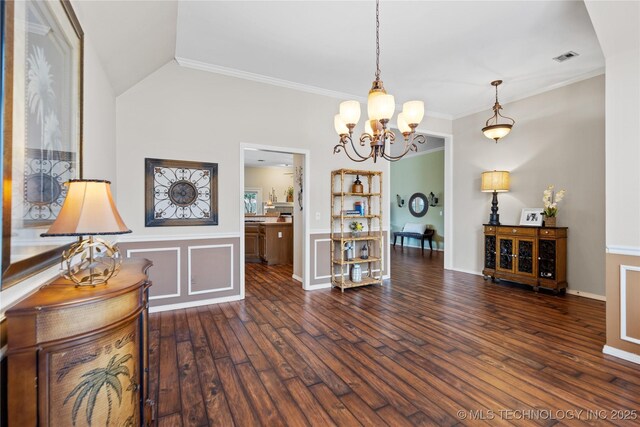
(305, 211)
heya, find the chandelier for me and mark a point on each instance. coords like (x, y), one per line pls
(380, 107)
(496, 130)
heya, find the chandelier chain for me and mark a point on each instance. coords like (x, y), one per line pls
(377, 39)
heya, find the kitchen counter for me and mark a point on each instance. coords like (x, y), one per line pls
(268, 242)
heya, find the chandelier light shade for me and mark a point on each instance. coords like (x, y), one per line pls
(89, 210)
(493, 129)
(380, 109)
(495, 182)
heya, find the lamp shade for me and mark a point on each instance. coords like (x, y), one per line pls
(87, 210)
(497, 181)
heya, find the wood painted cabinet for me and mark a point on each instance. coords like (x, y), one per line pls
(252, 243)
(79, 356)
(275, 242)
(535, 256)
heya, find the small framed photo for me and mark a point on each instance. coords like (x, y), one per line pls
(532, 217)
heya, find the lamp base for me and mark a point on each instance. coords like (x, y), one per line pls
(494, 217)
(92, 270)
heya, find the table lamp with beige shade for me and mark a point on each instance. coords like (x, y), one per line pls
(89, 210)
(495, 182)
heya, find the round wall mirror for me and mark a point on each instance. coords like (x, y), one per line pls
(418, 205)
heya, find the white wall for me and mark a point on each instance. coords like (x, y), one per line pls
(185, 114)
(558, 139)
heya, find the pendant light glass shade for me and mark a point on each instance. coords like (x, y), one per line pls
(339, 125)
(403, 126)
(367, 127)
(496, 132)
(380, 106)
(413, 112)
(350, 112)
(492, 128)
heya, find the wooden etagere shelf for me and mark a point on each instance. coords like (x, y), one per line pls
(342, 199)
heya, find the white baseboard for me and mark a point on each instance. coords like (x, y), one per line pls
(426, 246)
(297, 278)
(586, 295)
(318, 286)
(190, 304)
(611, 351)
(462, 270)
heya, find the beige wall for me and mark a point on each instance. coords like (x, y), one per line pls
(558, 139)
(266, 178)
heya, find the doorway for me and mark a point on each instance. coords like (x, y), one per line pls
(420, 185)
(273, 211)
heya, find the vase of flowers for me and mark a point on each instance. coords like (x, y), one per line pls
(551, 199)
(356, 228)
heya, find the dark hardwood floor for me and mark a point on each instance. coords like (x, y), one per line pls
(432, 347)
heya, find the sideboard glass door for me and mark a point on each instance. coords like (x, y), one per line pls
(506, 246)
(547, 259)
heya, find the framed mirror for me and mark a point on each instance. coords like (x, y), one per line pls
(42, 51)
(418, 205)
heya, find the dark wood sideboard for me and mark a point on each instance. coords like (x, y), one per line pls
(79, 356)
(535, 256)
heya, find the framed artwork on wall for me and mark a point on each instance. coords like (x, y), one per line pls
(531, 216)
(180, 193)
(42, 66)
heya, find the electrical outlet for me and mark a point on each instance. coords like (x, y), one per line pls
(440, 212)
(317, 216)
(279, 234)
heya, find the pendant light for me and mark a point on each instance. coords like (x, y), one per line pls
(380, 108)
(493, 129)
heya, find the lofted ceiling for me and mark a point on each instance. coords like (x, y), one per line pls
(442, 52)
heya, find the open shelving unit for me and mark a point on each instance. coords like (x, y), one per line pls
(341, 182)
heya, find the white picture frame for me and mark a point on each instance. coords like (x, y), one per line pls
(532, 217)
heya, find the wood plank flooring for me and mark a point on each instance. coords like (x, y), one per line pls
(431, 347)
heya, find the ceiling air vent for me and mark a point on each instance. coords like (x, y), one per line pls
(566, 56)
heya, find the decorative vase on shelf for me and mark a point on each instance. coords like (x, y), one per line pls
(549, 221)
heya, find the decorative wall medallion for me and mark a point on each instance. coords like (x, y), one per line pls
(44, 190)
(180, 193)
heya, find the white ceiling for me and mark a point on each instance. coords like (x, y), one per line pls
(443, 52)
(263, 158)
(132, 38)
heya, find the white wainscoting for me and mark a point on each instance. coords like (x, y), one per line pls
(315, 260)
(231, 268)
(177, 251)
(623, 303)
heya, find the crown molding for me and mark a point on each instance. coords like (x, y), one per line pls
(261, 78)
(597, 72)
